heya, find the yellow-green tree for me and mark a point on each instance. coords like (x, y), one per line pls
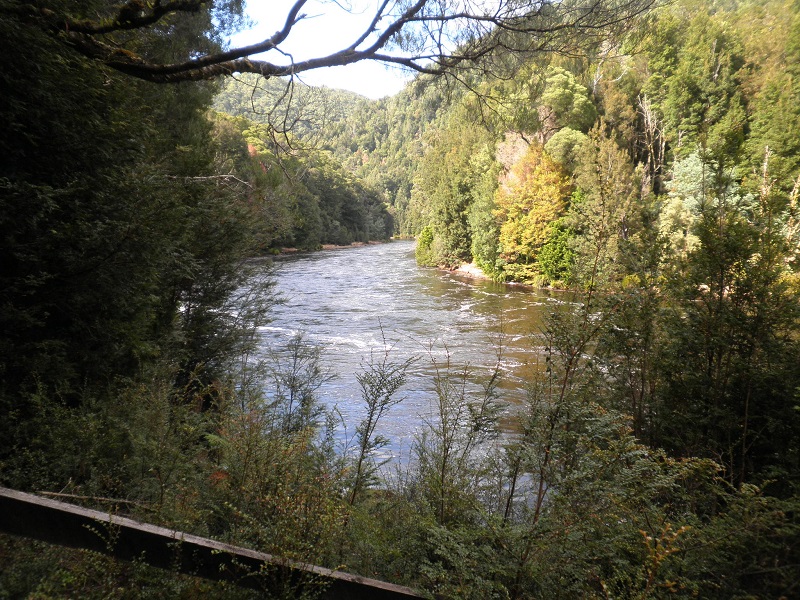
(533, 197)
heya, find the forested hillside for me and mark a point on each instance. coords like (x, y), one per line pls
(379, 142)
(661, 176)
(313, 200)
(698, 107)
(651, 170)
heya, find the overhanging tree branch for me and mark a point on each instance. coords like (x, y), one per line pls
(427, 36)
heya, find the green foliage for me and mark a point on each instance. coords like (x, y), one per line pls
(309, 200)
(555, 257)
(379, 383)
(378, 142)
(564, 146)
(275, 474)
(423, 250)
(746, 549)
(686, 195)
(349, 212)
(702, 105)
(448, 185)
(481, 217)
(736, 309)
(606, 214)
(129, 250)
(447, 450)
(289, 109)
(775, 109)
(565, 102)
(461, 565)
(296, 374)
(128, 376)
(54, 572)
(571, 504)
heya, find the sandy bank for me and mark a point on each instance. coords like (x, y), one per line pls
(331, 247)
(471, 270)
(353, 245)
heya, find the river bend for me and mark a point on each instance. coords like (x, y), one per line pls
(349, 300)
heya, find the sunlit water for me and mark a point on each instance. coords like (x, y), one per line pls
(349, 301)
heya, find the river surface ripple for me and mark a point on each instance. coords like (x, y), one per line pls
(348, 300)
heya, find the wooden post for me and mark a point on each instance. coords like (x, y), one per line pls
(69, 525)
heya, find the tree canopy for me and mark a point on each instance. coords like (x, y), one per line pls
(426, 36)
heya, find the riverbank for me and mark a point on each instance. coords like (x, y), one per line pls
(471, 270)
(353, 245)
(333, 247)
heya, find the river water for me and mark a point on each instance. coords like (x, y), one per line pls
(350, 301)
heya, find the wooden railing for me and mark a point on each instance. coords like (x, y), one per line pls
(65, 524)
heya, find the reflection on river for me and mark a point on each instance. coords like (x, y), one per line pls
(347, 300)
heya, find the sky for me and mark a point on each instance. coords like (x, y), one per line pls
(328, 28)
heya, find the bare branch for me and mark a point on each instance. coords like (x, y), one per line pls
(211, 178)
(427, 36)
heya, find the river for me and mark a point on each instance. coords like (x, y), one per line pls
(349, 300)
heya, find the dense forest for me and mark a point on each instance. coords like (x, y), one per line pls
(654, 175)
(313, 199)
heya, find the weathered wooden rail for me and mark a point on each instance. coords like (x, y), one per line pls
(65, 524)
